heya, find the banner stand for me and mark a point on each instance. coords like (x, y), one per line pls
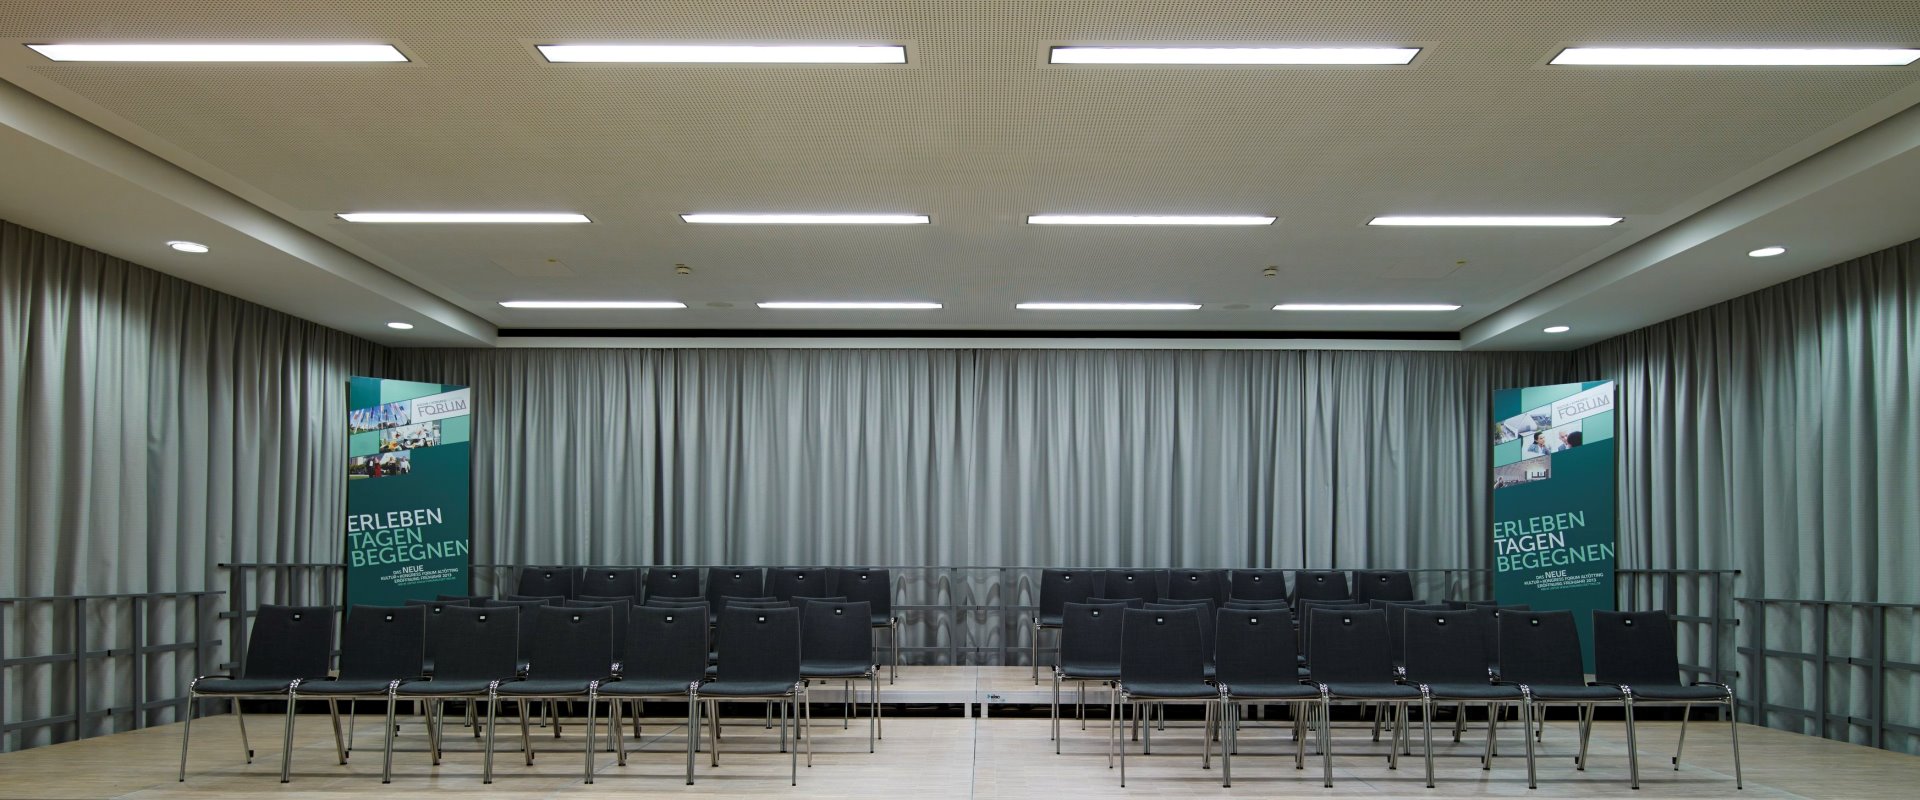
(409, 488)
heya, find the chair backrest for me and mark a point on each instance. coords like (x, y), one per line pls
(434, 609)
(787, 583)
(1397, 626)
(545, 582)
(288, 642)
(1204, 608)
(1090, 636)
(618, 598)
(1334, 605)
(609, 582)
(622, 609)
(667, 644)
(1443, 646)
(871, 586)
(836, 631)
(434, 606)
(1482, 603)
(1258, 584)
(1382, 604)
(1197, 584)
(1254, 646)
(1458, 604)
(1382, 584)
(1129, 602)
(547, 599)
(759, 644)
(1320, 584)
(528, 619)
(1058, 587)
(754, 602)
(475, 600)
(673, 582)
(1349, 646)
(1258, 605)
(1160, 645)
(383, 642)
(476, 643)
(1540, 647)
(1635, 648)
(734, 582)
(1145, 585)
(1490, 638)
(572, 643)
(662, 601)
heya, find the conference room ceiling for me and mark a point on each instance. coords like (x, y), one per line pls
(978, 131)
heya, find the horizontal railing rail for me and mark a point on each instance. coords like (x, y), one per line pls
(1871, 656)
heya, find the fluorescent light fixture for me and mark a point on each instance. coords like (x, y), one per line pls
(1233, 55)
(188, 247)
(1125, 219)
(1107, 306)
(260, 52)
(839, 305)
(463, 217)
(1556, 329)
(1495, 222)
(589, 304)
(1366, 307)
(723, 54)
(807, 219)
(1734, 57)
(400, 326)
(1767, 252)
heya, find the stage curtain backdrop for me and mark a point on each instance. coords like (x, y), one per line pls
(1779, 433)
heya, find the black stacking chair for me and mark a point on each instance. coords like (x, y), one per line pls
(478, 649)
(1257, 584)
(1058, 587)
(1205, 609)
(1089, 651)
(1348, 659)
(759, 659)
(526, 619)
(1541, 651)
(1383, 584)
(672, 582)
(622, 611)
(434, 609)
(572, 656)
(1261, 605)
(609, 582)
(1443, 659)
(1160, 662)
(663, 601)
(875, 588)
(1254, 657)
(1129, 602)
(1197, 584)
(599, 598)
(287, 646)
(380, 646)
(665, 659)
(475, 600)
(836, 644)
(1490, 641)
(733, 582)
(801, 603)
(1482, 603)
(1637, 651)
(787, 583)
(545, 599)
(1319, 584)
(545, 582)
(1397, 626)
(1142, 584)
(755, 602)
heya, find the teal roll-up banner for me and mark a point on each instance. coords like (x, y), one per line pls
(409, 485)
(1553, 500)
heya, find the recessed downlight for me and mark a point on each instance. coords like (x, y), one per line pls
(807, 219)
(1493, 221)
(593, 304)
(1229, 56)
(1735, 57)
(1556, 329)
(723, 54)
(188, 247)
(1767, 252)
(400, 326)
(1138, 219)
(1050, 306)
(1366, 307)
(849, 305)
(465, 217)
(212, 52)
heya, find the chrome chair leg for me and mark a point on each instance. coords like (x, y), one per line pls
(1686, 710)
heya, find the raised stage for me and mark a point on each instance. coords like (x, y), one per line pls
(986, 754)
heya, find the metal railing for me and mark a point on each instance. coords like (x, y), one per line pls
(131, 641)
(1778, 619)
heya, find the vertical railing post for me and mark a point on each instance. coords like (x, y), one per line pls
(3, 674)
(79, 634)
(201, 640)
(1007, 625)
(1759, 682)
(1719, 676)
(1820, 677)
(139, 632)
(1878, 691)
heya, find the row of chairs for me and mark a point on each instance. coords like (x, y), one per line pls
(614, 653)
(870, 585)
(1159, 655)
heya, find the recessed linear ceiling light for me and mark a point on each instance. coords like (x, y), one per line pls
(1734, 57)
(1767, 252)
(463, 217)
(589, 304)
(1233, 55)
(1124, 219)
(1366, 307)
(723, 54)
(839, 305)
(400, 326)
(188, 247)
(259, 51)
(1107, 306)
(1495, 222)
(1556, 329)
(807, 219)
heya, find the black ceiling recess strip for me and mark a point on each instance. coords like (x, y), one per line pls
(897, 333)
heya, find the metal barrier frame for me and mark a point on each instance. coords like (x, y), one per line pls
(1822, 716)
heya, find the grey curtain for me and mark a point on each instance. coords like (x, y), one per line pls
(150, 429)
(1779, 433)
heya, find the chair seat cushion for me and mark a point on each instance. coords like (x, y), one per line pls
(834, 669)
(1259, 690)
(1571, 692)
(726, 688)
(357, 686)
(544, 686)
(443, 686)
(640, 687)
(1473, 691)
(1089, 672)
(1711, 694)
(1169, 689)
(1374, 691)
(243, 686)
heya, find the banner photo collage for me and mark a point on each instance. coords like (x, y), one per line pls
(1554, 500)
(409, 479)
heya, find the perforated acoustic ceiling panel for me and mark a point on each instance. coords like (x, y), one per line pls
(978, 131)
